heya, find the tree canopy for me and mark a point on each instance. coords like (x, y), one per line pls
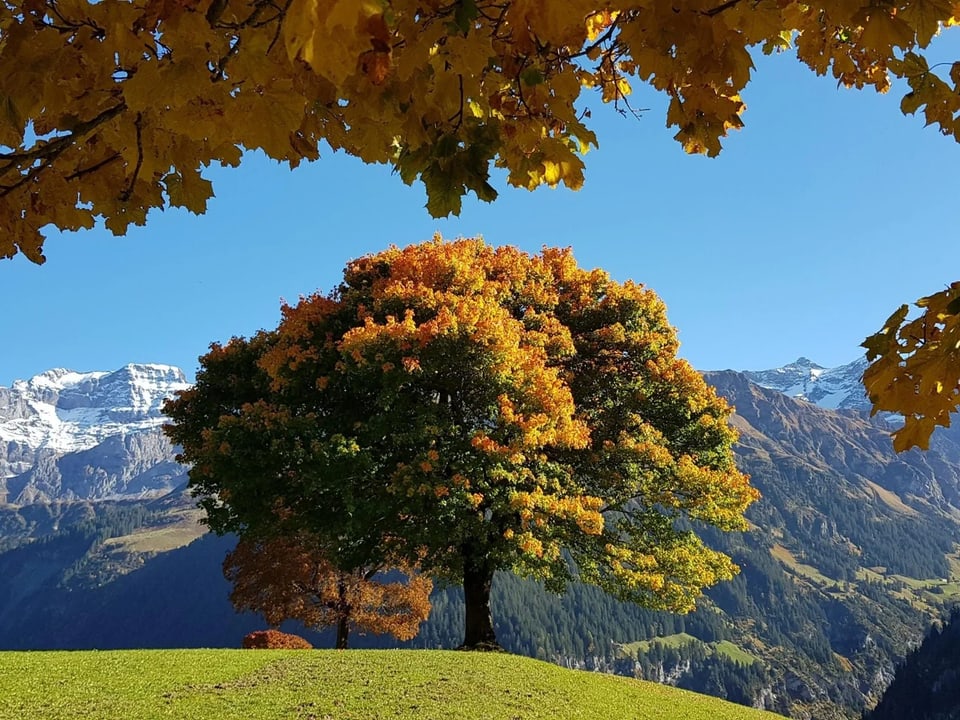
(116, 107)
(469, 409)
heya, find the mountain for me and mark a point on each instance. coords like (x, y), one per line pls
(66, 435)
(833, 388)
(852, 552)
(854, 549)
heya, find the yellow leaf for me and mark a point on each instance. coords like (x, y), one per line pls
(925, 16)
(299, 28)
(189, 190)
(883, 31)
(598, 22)
(914, 433)
(910, 65)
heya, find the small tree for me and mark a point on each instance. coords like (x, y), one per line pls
(285, 579)
(473, 409)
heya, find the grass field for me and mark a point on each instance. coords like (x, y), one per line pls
(724, 647)
(330, 685)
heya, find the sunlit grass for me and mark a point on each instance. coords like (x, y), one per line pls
(328, 685)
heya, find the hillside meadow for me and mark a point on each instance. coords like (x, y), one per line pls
(330, 685)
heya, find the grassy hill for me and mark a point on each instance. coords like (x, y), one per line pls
(327, 684)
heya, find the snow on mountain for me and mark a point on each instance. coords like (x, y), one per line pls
(67, 435)
(67, 411)
(832, 388)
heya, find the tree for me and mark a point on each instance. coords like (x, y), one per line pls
(283, 578)
(473, 409)
(116, 107)
(915, 367)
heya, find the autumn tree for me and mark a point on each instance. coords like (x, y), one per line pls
(109, 109)
(285, 578)
(473, 409)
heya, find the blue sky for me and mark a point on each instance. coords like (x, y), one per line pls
(823, 215)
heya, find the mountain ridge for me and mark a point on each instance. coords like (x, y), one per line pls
(835, 388)
(67, 435)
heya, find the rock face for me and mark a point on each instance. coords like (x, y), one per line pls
(66, 435)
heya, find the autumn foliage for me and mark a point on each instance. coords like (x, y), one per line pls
(470, 409)
(274, 640)
(116, 107)
(283, 578)
(915, 367)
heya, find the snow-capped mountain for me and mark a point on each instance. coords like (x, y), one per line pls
(67, 411)
(832, 388)
(104, 426)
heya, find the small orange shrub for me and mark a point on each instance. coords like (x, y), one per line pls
(275, 640)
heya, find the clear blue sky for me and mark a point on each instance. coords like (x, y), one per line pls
(823, 215)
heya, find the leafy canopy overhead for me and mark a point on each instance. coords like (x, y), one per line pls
(469, 409)
(115, 107)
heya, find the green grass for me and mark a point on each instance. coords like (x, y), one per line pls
(184, 527)
(671, 641)
(733, 652)
(724, 647)
(330, 685)
(927, 594)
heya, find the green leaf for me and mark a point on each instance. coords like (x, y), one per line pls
(443, 197)
(532, 76)
(464, 15)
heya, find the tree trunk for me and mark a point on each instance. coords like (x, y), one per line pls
(343, 613)
(342, 631)
(477, 581)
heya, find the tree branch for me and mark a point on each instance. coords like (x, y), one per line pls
(128, 191)
(93, 168)
(719, 8)
(52, 149)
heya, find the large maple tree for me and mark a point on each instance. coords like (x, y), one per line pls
(471, 409)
